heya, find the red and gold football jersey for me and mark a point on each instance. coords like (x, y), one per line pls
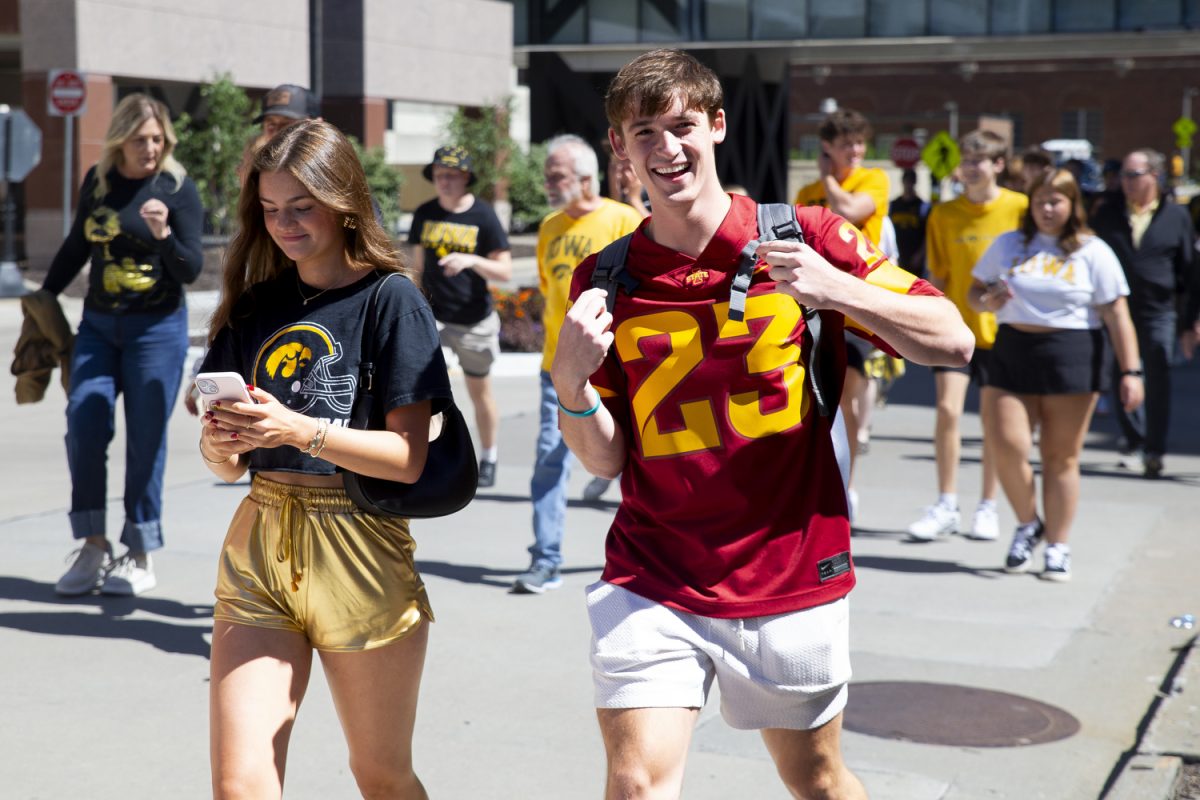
(733, 503)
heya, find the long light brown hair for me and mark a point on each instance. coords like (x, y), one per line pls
(318, 156)
(129, 115)
(1076, 229)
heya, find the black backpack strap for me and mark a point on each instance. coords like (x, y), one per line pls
(610, 273)
(777, 221)
(366, 364)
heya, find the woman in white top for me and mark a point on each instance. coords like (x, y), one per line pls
(1051, 285)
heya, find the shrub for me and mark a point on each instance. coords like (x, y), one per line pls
(521, 329)
(384, 181)
(211, 148)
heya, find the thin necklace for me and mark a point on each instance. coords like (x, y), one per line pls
(300, 291)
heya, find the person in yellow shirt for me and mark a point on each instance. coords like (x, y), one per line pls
(582, 223)
(957, 234)
(859, 194)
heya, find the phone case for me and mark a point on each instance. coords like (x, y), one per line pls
(222, 386)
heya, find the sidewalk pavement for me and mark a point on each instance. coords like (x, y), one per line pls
(107, 698)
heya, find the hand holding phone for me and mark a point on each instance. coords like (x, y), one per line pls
(229, 386)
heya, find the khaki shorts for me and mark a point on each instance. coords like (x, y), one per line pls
(780, 671)
(476, 346)
(308, 560)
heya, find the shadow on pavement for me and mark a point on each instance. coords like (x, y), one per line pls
(103, 617)
(486, 576)
(923, 566)
(610, 505)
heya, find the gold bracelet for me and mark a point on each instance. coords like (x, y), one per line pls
(315, 440)
(321, 447)
(200, 444)
(317, 444)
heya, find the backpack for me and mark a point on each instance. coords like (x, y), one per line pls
(779, 221)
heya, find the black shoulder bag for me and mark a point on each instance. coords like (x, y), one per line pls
(451, 472)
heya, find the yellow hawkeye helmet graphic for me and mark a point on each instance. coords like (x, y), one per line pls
(300, 364)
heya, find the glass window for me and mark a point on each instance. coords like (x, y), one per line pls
(897, 18)
(958, 17)
(612, 21)
(520, 21)
(1079, 16)
(664, 21)
(1191, 13)
(839, 19)
(780, 19)
(727, 19)
(1020, 16)
(1158, 14)
(570, 30)
(1083, 123)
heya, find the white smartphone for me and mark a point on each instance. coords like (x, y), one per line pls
(222, 386)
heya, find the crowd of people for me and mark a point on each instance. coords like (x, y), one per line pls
(688, 343)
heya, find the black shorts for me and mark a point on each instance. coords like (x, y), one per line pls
(980, 368)
(857, 351)
(1060, 362)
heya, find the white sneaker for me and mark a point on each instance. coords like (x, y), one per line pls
(937, 520)
(128, 579)
(86, 571)
(985, 525)
(595, 489)
(852, 502)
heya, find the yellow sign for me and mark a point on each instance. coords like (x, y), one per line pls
(941, 154)
(1184, 128)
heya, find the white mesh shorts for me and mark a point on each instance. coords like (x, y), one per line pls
(781, 671)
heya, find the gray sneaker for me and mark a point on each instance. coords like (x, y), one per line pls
(87, 570)
(538, 579)
(128, 578)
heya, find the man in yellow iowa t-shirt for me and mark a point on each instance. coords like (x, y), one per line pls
(582, 223)
(956, 235)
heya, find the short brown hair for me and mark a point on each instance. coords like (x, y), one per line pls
(1037, 156)
(986, 143)
(844, 122)
(649, 84)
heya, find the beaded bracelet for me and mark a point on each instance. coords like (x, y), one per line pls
(580, 414)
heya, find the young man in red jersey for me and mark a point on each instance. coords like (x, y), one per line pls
(729, 555)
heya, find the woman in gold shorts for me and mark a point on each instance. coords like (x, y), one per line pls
(302, 568)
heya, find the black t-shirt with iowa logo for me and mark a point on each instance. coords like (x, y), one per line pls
(307, 355)
(131, 270)
(464, 298)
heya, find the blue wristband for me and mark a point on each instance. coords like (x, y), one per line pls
(580, 414)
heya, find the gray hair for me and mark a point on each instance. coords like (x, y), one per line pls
(585, 161)
(1156, 162)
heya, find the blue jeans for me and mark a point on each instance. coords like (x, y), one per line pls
(548, 487)
(140, 356)
(1146, 428)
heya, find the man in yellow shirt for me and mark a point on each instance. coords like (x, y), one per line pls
(956, 235)
(845, 186)
(860, 195)
(582, 223)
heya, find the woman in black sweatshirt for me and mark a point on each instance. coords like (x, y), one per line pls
(139, 222)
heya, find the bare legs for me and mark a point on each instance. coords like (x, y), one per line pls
(486, 413)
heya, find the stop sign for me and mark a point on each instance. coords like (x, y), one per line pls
(66, 93)
(906, 153)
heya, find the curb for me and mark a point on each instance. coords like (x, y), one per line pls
(1171, 737)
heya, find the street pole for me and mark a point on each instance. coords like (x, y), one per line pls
(1186, 152)
(68, 173)
(952, 107)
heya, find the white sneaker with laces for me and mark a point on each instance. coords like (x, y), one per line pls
(86, 571)
(595, 489)
(127, 578)
(937, 520)
(985, 525)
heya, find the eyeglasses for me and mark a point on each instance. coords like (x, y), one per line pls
(1134, 173)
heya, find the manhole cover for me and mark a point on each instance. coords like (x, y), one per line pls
(942, 713)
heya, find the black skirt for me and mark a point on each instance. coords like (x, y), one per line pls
(1059, 362)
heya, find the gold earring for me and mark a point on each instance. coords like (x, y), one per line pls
(348, 222)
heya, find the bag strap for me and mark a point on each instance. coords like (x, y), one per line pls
(610, 273)
(366, 364)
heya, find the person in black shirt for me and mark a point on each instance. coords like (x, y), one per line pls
(908, 213)
(138, 221)
(463, 246)
(302, 568)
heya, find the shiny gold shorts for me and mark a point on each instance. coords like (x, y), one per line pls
(308, 560)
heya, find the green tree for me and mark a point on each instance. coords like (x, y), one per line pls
(384, 181)
(496, 159)
(212, 146)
